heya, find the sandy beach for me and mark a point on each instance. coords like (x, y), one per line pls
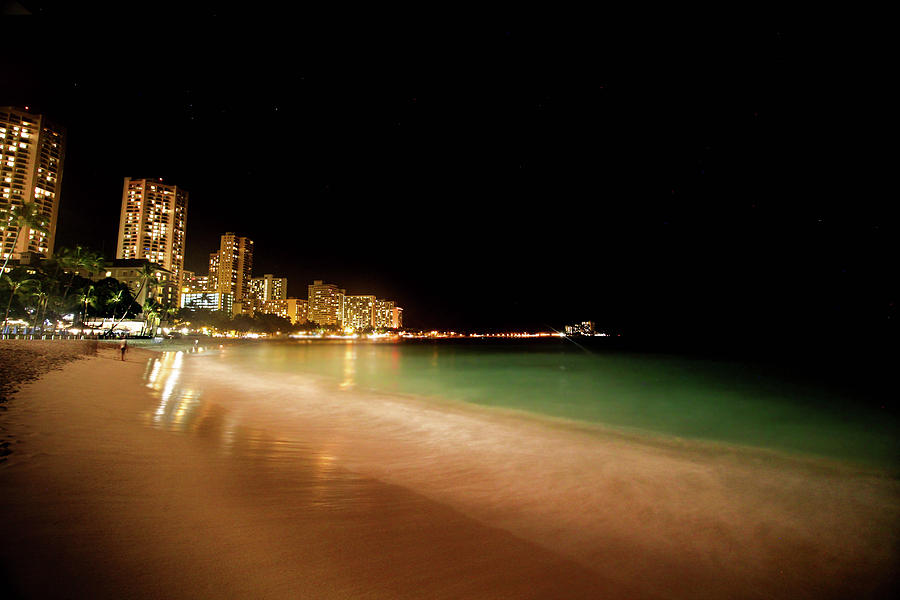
(96, 505)
(100, 501)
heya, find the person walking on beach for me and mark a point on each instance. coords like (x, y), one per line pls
(123, 347)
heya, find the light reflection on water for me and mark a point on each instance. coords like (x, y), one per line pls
(349, 372)
(315, 447)
(184, 409)
(716, 401)
(177, 404)
(684, 399)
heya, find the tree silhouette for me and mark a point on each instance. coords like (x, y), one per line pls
(26, 216)
(18, 282)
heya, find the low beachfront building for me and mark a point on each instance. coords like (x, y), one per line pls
(208, 301)
(128, 271)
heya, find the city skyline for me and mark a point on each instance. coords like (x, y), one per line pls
(231, 286)
(671, 182)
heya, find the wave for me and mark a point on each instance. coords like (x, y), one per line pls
(634, 505)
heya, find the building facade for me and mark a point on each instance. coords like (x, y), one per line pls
(32, 154)
(128, 271)
(584, 328)
(359, 312)
(213, 277)
(272, 307)
(207, 300)
(297, 310)
(384, 314)
(325, 303)
(235, 268)
(152, 224)
(200, 283)
(266, 290)
(193, 283)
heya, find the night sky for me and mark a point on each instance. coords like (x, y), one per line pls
(718, 180)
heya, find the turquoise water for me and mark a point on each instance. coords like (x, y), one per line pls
(689, 398)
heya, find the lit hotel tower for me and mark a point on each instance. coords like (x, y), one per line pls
(152, 224)
(235, 267)
(358, 312)
(32, 152)
(326, 303)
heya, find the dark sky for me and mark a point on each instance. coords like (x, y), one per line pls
(680, 178)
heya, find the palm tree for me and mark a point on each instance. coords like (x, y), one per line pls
(115, 300)
(17, 284)
(79, 258)
(147, 277)
(71, 258)
(42, 299)
(47, 294)
(151, 310)
(54, 304)
(168, 312)
(86, 297)
(27, 216)
(93, 262)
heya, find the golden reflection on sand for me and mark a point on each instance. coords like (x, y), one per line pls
(178, 405)
(180, 408)
(635, 514)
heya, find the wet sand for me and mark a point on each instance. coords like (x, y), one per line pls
(252, 497)
(97, 505)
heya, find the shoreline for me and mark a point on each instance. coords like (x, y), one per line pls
(98, 505)
(706, 513)
(877, 455)
(242, 494)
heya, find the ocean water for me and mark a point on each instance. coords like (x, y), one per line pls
(663, 476)
(473, 469)
(664, 395)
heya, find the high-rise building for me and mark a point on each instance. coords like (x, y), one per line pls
(359, 312)
(213, 278)
(272, 307)
(384, 314)
(398, 318)
(297, 310)
(191, 283)
(267, 289)
(325, 303)
(152, 224)
(32, 153)
(235, 267)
